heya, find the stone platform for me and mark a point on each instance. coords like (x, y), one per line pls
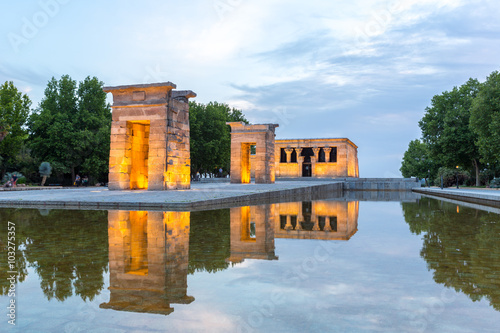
(202, 196)
(30, 188)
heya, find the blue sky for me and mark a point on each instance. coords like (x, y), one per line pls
(359, 69)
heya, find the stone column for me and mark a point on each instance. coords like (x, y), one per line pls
(300, 160)
(315, 158)
(327, 224)
(288, 152)
(315, 219)
(327, 151)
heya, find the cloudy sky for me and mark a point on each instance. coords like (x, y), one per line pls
(359, 69)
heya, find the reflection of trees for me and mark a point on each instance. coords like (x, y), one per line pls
(209, 241)
(68, 249)
(22, 225)
(461, 245)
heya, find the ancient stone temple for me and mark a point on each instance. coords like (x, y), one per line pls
(149, 137)
(243, 137)
(322, 158)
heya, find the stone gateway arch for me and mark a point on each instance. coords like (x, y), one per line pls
(149, 137)
(243, 137)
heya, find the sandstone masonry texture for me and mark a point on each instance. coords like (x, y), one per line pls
(243, 136)
(149, 137)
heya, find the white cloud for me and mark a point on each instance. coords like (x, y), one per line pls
(345, 67)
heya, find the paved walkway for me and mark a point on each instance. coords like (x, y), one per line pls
(201, 196)
(481, 196)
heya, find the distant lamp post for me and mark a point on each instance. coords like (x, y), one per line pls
(429, 177)
(457, 176)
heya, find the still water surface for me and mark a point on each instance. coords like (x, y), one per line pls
(322, 266)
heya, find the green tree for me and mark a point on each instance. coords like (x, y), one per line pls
(446, 131)
(416, 161)
(210, 137)
(485, 118)
(93, 124)
(71, 127)
(14, 111)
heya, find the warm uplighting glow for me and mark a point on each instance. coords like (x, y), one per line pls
(317, 219)
(139, 153)
(458, 209)
(245, 225)
(252, 233)
(245, 163)
(148, 260)
(137, 261)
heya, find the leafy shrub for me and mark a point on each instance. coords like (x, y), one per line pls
(45, 169)
(450, 177)
(21, 180)
(495, 183)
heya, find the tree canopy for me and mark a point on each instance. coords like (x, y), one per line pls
(210, 136)
(485, 118)
(14, 111)
(71, 127)
(461, 128)
(446, 131)
(416, 161)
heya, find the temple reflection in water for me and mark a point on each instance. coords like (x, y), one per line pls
(149, 251)
(320, 219)
(148, 260)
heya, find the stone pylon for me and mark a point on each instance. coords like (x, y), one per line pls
(244, 136)
(149, 137)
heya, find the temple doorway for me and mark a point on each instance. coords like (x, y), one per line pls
(306, 170)
(139, 153)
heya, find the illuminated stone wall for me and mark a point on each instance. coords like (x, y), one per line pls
(252, 233)
(321, 219)
(345, 165)
(149, 137)
(148, 260)
(242, 138)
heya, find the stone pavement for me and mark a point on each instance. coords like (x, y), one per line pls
(201, 196)
(482, 196)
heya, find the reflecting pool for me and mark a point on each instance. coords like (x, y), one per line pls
(333, 265)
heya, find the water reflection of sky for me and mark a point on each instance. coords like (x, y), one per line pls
(375, 281)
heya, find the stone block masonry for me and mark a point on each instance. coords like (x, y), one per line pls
(243, 136)
(150, 137)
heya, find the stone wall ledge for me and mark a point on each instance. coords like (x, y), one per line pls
(480, 196)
